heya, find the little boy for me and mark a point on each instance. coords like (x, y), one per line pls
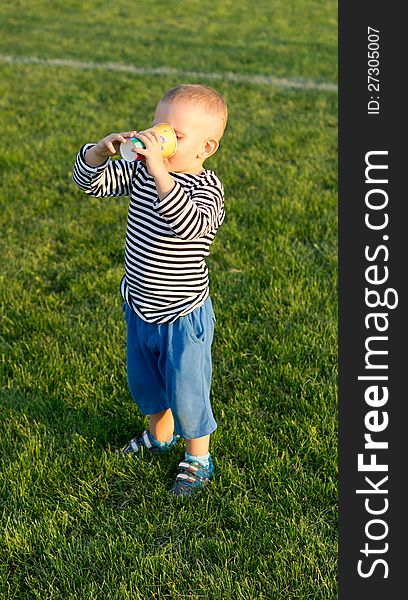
(176, 207)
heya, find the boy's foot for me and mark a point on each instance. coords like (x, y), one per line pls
(147, 442)
(191, 477)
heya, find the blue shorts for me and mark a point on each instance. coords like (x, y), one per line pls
(169, 366)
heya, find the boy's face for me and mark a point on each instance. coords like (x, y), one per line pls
(194, 130)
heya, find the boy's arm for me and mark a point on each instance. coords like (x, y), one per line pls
(195, 214)
(96, 174)
(190, 215)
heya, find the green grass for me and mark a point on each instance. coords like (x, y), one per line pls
(285, 38)
(77, 522)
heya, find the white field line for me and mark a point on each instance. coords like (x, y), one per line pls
(269, 80)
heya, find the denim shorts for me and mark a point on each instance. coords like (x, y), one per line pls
(169, 366)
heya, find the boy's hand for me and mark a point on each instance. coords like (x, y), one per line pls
(152, 153)
(108, 146)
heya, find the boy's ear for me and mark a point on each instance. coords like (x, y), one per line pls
(210, 146)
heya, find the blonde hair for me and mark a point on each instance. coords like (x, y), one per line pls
(204, 96)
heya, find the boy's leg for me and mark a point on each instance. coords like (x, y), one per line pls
(145, 382)
(198, 446)
(197, 451)
(188, 378)
(158, 438)
(161, 425)
(187, 373)
(147, 386)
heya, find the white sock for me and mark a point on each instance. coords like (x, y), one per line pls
(203, 460)
(160, 444)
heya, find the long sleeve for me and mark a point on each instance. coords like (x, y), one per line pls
(167, 241)
(193, 214)
(112, 178)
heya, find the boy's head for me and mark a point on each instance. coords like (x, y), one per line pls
(198, 114)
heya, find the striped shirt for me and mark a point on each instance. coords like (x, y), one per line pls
(167, 240)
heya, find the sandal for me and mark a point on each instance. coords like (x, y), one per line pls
(191, 477)
(145, 442)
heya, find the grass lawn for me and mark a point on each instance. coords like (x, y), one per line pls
(76, 521)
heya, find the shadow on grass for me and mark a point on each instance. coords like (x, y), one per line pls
(107, 428)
